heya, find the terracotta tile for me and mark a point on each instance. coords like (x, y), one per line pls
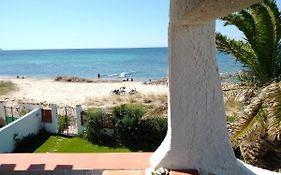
(123, 172)
(184, 172)
(75, 161)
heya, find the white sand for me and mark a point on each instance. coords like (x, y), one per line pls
(67, 93)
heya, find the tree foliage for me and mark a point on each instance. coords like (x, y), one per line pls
(260, 51)
(258, 129)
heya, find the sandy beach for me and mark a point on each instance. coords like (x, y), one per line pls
(73, 93)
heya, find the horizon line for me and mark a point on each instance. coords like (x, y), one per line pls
(1, 49)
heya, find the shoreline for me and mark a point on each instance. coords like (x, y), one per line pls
(94, 79)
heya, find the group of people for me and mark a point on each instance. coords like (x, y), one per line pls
(20, 77)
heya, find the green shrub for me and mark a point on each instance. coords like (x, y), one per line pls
(31, 142)
(151, 133)
(231, 119)
(134, 132)
(94, 125)
(63, 123)
(130, 130)
(126, 120)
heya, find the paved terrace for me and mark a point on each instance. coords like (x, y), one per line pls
(78, 163)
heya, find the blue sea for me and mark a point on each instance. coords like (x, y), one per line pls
(137, 63)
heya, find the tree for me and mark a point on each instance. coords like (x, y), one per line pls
(257, 131)
(260, 51)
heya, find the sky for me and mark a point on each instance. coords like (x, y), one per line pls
(59, 24)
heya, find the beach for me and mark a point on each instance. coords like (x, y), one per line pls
(46, 90)
(40, 68)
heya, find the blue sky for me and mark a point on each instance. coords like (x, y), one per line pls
(48, 24)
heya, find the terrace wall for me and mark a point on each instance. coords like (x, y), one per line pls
(28, 124)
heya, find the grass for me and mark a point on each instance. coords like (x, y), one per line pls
(76, 144)
(110, 101)
(230, 119)
(7, 87)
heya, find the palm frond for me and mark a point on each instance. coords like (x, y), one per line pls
(273, 108)
(276, 14)
(241, 51)
(261, 25)
(265, 38)
(244, 21)
(251, 119)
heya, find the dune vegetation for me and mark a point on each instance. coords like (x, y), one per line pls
(7, 87)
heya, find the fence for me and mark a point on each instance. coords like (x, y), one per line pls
(11, 112)
(69, 120)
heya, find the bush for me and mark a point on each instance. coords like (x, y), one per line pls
(130, 130)
(62, 123)
(151, 133)
(134, 132)
(94, 126)
(31, 142)
(126, 120)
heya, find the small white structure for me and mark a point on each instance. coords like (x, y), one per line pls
(197, 136)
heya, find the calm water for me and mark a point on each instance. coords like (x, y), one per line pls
(142, 63)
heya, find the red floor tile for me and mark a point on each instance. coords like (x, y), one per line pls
(52, 161)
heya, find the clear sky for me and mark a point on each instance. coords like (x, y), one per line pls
(48, 24)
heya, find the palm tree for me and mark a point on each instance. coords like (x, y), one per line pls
(257, 131)
(260, 51)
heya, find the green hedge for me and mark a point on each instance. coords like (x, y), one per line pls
(94, 125)
(136, 133)
(130, 130)
(63, 123)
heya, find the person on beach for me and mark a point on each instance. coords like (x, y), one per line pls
(98, 75)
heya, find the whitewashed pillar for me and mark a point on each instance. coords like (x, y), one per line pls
(2, 109)
(78, 118)
(197, 136)
(54, 118)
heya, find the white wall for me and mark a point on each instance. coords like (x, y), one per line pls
(28, 124)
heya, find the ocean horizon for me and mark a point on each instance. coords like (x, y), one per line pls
(111, 63)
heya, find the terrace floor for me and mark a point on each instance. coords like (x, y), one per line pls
(78, 163)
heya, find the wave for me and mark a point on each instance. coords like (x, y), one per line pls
(121, 74)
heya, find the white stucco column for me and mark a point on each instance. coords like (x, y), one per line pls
(78, 118)
(197, 136)
(54, 127)
(2, 109)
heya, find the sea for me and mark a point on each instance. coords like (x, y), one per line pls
(137, 63)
